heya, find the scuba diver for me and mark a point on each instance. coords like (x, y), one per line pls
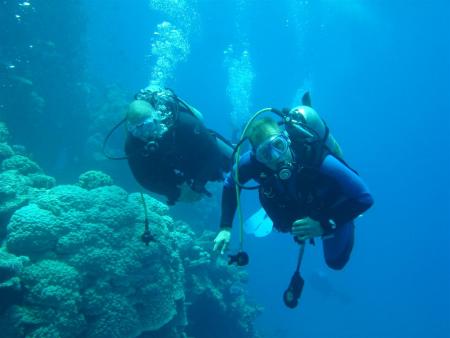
(304, 185)
(169, 150)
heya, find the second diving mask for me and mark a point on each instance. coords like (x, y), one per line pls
(273, 150)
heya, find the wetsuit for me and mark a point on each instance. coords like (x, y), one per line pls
(332, 194)
(187, 152)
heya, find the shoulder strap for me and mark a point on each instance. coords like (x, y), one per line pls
(309, 151)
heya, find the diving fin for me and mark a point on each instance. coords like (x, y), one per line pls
(259, 224)
(306, 100)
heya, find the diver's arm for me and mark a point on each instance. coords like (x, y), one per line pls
(355, 195)
(229, 201)
(229, 198)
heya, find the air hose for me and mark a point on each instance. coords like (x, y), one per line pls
(146, 237)
(242, 257)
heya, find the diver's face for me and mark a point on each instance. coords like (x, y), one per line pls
(274, 151)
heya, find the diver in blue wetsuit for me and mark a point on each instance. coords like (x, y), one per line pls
(305, 186)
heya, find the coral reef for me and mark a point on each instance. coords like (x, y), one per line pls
(20, 163)
(20, 179)
(73, 265)
(10, 287)
(94, 179)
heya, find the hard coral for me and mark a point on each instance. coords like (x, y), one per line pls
(94, 179)
(22, 164)
(117, 318)
(5, 151)
(12, 185)
(64, 198)
(93, 235)
(90, 274)
(17, 189)
(10, 265)
(32, 231)
(41, 181)
(54, 288)
(153, 205)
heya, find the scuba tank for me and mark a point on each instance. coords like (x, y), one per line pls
(310, 136)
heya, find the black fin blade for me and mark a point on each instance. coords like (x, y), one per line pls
(306, 99)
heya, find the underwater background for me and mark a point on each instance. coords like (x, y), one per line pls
(379, 74)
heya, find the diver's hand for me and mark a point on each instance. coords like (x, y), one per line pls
(188, 195)
(222, 240)
(306, 228)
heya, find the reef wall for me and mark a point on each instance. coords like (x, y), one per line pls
(72, 263)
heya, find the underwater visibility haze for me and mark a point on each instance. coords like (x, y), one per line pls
(94, 247)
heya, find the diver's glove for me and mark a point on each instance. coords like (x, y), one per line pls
(222, 240)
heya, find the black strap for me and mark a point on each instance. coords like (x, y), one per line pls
(222, 138)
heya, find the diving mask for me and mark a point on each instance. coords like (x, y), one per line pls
(148, 129)
(273, 150)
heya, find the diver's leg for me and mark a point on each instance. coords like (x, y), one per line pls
(337, 249)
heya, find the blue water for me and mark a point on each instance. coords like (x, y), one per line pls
(379, 73)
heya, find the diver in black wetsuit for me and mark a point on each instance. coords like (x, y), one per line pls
(169, 149)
